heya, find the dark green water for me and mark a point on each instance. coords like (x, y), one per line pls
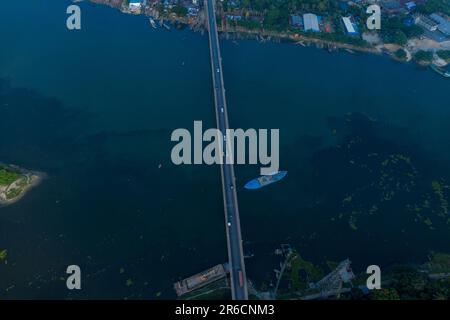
(95, 110)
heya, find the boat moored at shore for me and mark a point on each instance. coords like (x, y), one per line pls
(442, 71)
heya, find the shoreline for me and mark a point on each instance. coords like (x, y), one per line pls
(197, 24)
(34, 179)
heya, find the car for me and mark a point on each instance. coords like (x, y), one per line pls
(218, 70)
(229, 224)
(221, 109)
(241, 278)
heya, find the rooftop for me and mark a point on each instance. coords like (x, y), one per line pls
(311, 22)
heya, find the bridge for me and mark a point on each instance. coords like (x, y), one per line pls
(238, 277)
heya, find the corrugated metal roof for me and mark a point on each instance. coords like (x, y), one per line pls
(296, 20)
(349, 25)
(311, 22)
(444, 25)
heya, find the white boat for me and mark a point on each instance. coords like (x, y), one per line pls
(152, 22)
(440, 70)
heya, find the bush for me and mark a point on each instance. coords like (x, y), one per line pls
(180, 11)
(384, 294)
(400, 54)
(423, 56)
(444, 54)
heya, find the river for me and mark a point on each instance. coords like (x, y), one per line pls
(363, 138)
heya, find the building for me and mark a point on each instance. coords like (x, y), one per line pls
(435, 26)
(426, 23)
(135, 6)
(311, 22)
(350, 27)
(411, 5)
(443, 24)
(391, 6)
(296, 21)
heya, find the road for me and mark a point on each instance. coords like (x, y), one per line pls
(233, 226)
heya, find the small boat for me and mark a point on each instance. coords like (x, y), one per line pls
(263, 181)
(440, 70)
(152, 22)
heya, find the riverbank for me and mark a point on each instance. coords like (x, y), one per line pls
(15, 182)
(138, 85)
(197, 24)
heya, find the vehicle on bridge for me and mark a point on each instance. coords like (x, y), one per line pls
(241, 279)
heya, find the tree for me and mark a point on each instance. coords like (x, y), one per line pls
(180, 10)
(400, 54)
(408, 282)
(423, 56)
(435, 6)
(384, 294)
(400, 38)
(444, 54)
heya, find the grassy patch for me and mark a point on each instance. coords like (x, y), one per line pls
(439, 263)
(310, 271)
(13, 193)
(7, 176)
(3, 254)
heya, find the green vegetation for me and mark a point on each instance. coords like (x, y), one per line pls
(423, 56)
(299, 266)
(276, 14)
(429, 281)
(444, 54)
(7, 176)
(3, 254)
(337, 37)
(13, 193)
(289, 5)
(410, 284)
(439, 263)
(400, 54)
(415, 283)
(249, 24)
(180, 11)
(129, 283)
(394, 31)
(435, 5)
(384, 294)
(14, 181)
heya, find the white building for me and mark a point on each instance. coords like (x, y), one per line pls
(311, 22)
(426, 23)
(349, 26)
(444, 24)
(135, 6)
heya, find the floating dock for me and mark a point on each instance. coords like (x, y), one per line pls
(201, 279)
